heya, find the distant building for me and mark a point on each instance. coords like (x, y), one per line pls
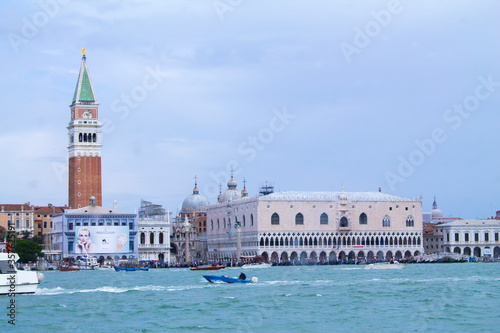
(315, 226)
(154, 233)
(194, 211)
(478, 238)
(43, 218)
(107, 234)
(84, 149)
(18, 215)
(433, 237)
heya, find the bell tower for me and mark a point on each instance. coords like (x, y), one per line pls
(84, 150)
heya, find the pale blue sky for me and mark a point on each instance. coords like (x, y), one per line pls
(307, 94)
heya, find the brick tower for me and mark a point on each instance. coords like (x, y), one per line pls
(84, 150)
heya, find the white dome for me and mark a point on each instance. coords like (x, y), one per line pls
(195, 202)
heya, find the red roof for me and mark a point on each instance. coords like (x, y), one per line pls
(50, 209)
(15, 207)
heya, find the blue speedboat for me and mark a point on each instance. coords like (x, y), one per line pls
(227, 279)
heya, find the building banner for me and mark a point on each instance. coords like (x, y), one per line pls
(102, 239)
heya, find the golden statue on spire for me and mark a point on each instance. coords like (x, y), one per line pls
(83, 51)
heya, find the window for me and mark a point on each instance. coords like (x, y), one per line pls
(211, 224)
(45, 224)
(275, 219)
(457, 236)
(224, 223)
(363, 219)
(323, 219)
(143, 238)
(251, 219)
(344, 223)
(486, 237)
(161, 238)
(27, 223)
(131, 246)
(70, 247)
(17, 223)
(299, 219)
(386, 221)
(244, 221)
(70, 226)
(410, 221)
(466, 235)
(218, 224)
(447, 237)
(151, 238)
(476, 237)
(496, 236)
(131, 226)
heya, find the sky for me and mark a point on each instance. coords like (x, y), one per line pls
(307, 95)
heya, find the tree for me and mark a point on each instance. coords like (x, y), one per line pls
(27, 250)
(3, 232)
(37, 239)
(26, 234)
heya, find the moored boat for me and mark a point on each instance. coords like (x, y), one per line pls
(213, 267)
(13, 281)
(227, 279)
(87, 263)
(69, 268)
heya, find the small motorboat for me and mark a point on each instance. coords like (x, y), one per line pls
(227, 279)
(385, 265)
(213, 267)
(13, 281)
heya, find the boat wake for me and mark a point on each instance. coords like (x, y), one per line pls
(109, 289)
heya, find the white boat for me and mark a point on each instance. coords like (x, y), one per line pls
(13, 281)
(385, 265)
(105, 268)
(87, 263)
(256, 265)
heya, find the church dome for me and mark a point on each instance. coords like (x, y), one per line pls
(231, 193)
(195, 202)
(436, 213)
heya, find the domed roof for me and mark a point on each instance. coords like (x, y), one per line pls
(195, 202)
(231, 193)
(436, 214)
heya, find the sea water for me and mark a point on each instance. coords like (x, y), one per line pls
(346, 298)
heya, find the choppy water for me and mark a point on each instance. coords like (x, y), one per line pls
(432, 297)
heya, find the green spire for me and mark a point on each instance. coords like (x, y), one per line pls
(84, 91)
